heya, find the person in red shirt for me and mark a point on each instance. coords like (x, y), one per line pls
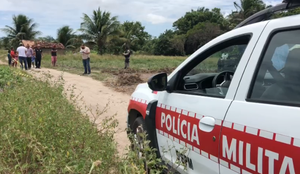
(12, 52)
(14, 57)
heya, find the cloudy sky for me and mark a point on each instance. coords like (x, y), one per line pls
(155, 15)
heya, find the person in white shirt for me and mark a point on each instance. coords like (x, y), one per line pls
(85, 51)
(22, 55)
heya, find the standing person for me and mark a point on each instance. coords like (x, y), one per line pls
(29, 55)
(9, 58)
(14, 57)
(127, 57)
(33, 59)
(38, 56)
(54, 55)
(15, 61)
(85, 51)
(12, 52)
(22, 55)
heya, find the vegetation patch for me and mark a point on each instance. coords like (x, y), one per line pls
(43, 132)
(110, 68)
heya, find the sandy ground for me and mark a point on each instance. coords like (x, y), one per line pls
(95, 96)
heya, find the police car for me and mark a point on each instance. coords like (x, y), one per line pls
(243, 118)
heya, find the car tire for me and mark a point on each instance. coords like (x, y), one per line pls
(138, 126)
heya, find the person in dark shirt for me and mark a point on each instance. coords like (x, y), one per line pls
(127, 56)
(54, 55)
(38, 56)
(9, 58)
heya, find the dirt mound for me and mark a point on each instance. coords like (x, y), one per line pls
(125, 82)
(117, 72)
(128, 79)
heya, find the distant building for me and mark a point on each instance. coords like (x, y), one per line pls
(46, 46)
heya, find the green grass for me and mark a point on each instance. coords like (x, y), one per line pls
(138, 63)
(104, 66)
(41, 131)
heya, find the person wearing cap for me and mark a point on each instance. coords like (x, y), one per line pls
(22, 55)
(85, 51)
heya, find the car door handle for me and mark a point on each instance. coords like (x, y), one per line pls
(207, 124)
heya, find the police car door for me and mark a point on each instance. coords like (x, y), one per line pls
(190, 114)
(261, 129)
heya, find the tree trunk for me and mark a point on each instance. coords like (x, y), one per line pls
(100, 46)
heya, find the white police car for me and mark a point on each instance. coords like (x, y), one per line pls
(241, 118)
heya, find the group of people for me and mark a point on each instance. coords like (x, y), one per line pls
(29, 56)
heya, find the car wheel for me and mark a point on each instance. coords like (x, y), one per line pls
(138, 128)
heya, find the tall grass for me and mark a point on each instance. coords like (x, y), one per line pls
(42, 131)
(139, 63)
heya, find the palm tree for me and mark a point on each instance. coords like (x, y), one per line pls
(99, 28)
(134, 35)
(245, 10)
(66, 36)
(23, 28)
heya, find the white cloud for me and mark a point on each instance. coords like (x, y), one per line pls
(51, 14)
(157, 19)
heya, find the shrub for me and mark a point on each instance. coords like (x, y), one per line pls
(43, 132)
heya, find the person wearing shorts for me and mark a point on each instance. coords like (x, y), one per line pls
(14, 61)
(33, 59)
(13, 55)
(54, 55)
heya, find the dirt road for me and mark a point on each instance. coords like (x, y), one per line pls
(95, 93)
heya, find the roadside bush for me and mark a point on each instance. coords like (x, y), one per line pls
(43, 132)
(9, 78)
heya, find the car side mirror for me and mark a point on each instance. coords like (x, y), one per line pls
(158, 82)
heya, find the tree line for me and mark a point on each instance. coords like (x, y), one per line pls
(105, 34)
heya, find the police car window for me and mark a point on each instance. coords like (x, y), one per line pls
(278, 77)
(212, 76)
(224, 60)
